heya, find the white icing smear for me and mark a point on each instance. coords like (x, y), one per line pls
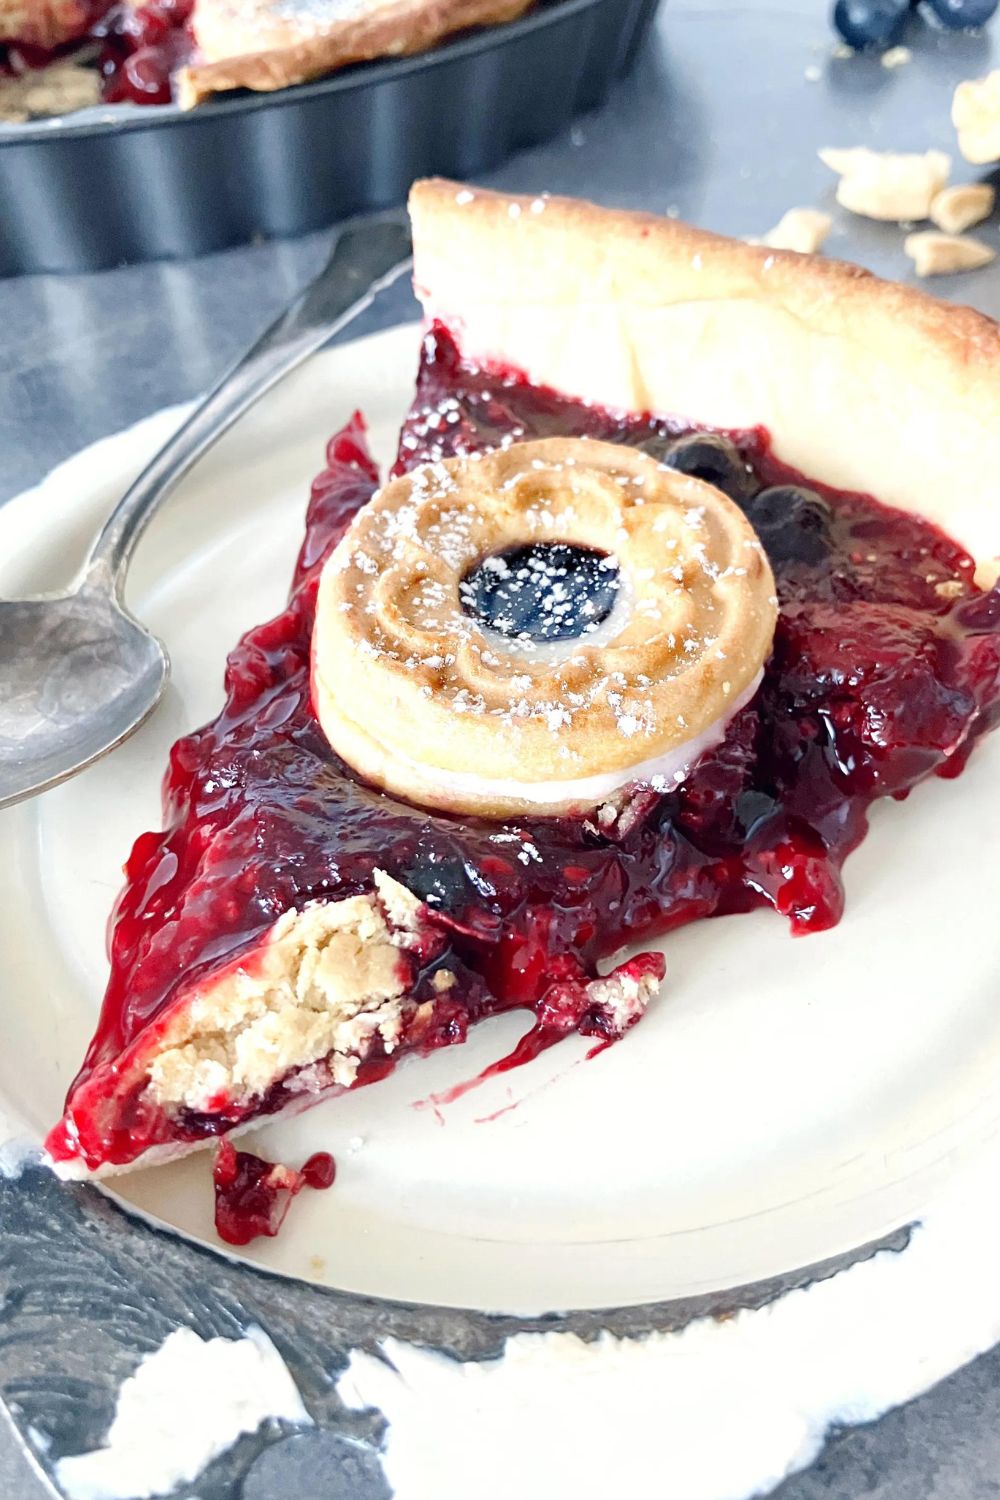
(186, 1403)
(662, 772)
(717, 1411)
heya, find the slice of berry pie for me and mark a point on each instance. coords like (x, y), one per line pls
(625, 640)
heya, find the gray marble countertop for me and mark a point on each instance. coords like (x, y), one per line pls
(720, 124)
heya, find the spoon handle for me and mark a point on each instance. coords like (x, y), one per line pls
(366, 257)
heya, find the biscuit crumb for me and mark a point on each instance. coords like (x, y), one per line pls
(801, 229)
(957, 208)
(41, 93)
(896, 57)
(975, 113)
(887, 185)
(936, 254)
(623, 996)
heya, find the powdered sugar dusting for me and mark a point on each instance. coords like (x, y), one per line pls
(313, 17)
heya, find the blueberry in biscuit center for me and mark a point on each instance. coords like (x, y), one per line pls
(543, 591)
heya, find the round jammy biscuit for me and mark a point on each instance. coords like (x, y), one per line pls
(532, 629)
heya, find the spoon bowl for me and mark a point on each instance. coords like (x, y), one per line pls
(78, 673)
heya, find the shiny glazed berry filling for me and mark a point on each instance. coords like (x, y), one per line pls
(253, 1196)
(141, 48)
(886, 666)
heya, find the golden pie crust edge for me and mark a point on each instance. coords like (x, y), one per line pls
(863, 384)
(272, 56)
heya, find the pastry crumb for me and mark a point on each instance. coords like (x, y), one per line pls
(800, 229)
(624, 997)
(327, 983)
(958, 208)
(937, 254)
(59, 89)
(896, 57)
(887, 185)
(975, 113)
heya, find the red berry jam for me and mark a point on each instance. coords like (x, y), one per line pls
(253, 1196)
(142, 46)
(885, 669)
(320, 1170)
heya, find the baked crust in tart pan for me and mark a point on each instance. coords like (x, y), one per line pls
(267, 52)
(125, 184)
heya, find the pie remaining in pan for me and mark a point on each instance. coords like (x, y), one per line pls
(625, 641)
(187, 50)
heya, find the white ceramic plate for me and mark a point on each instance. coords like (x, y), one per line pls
(782, 1101)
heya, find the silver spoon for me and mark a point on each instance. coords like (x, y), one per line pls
(78, 673)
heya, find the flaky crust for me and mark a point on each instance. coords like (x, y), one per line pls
(863, 384)
(414, 693)
(247, 44)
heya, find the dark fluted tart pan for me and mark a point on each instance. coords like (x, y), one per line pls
(130, 184)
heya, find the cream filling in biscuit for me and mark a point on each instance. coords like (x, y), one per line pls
(326, 983)
(661, 772)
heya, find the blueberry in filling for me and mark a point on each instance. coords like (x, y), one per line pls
(441, 880)
(793, 523)
(714, 459)
(545, 591)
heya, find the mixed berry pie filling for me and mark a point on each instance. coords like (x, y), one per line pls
(141, 48)
(885, 669)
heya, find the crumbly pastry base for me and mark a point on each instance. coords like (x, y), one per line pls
(320, 988)
(441, 699)
(325, 981)
(249, 44)
(862, 384)
(41, 93)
